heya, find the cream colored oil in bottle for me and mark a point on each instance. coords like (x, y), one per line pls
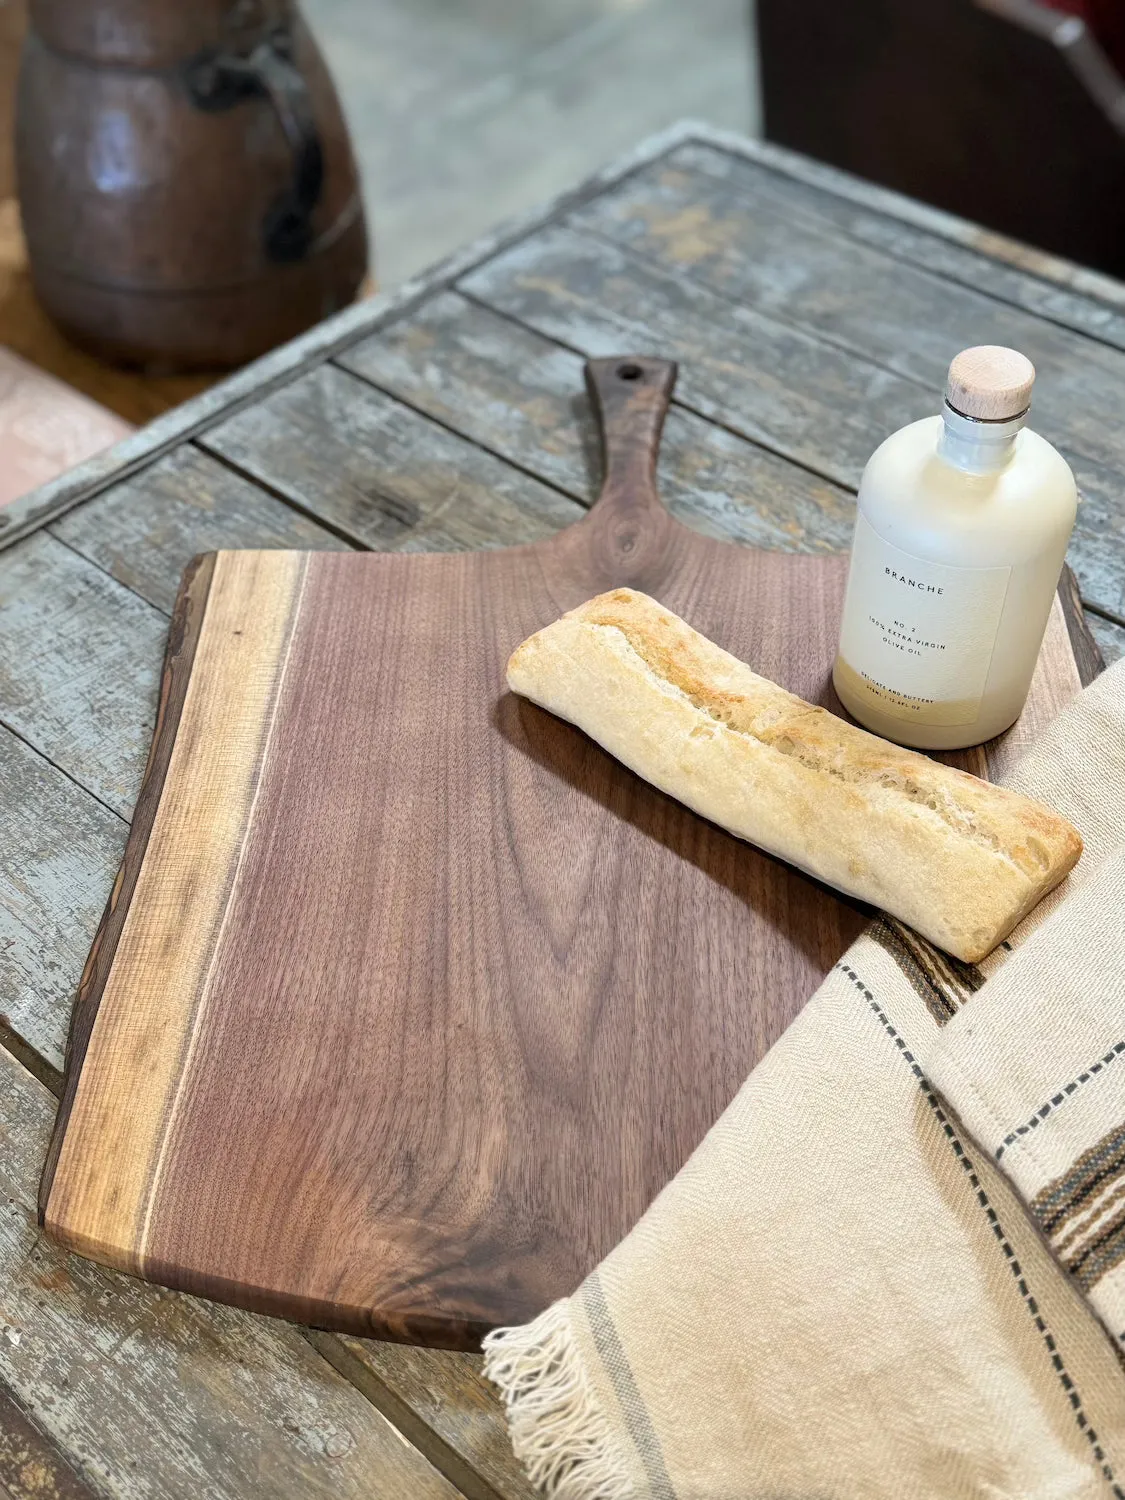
(963, 525)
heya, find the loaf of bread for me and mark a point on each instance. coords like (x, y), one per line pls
(957, 858)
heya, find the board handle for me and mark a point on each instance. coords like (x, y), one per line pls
(630, 397)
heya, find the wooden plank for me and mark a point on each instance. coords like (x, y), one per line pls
(1109, 635)
(973, 257)
(368, 907)
(1042, 264)
(79, 670)
(820, 406)
(31, 1467)
(520, 395)
(145, 531)
(61, 852)
(436, 1391)
(153, 1396)
(741, 236)
(825, 407)
(335, 334)
(382, 474)
(274, 370)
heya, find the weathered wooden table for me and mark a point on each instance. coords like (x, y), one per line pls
(811, 315)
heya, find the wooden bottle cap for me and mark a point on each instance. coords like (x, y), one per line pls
(990, 383)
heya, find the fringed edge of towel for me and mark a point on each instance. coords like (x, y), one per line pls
(559, 1432)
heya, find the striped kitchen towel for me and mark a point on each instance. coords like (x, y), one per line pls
(1036, 1070)
(895, 1267)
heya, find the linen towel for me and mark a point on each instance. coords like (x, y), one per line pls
(842, 1294)
(1036, 1070)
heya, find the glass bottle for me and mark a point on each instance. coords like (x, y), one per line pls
(961, 532)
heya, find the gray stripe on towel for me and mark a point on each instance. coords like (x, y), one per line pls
(613, 1357)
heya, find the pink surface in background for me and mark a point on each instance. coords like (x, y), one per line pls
(46, 427)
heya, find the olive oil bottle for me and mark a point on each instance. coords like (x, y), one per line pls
(963, 525)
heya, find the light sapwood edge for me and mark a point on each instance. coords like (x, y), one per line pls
(111, 1160)
(183, 637)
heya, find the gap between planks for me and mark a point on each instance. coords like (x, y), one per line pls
(582, 498)
(1042, 267)
(281, 366)
(802, 218)
(26, 1055)
(401, 1416)
(232, 466)
(685, 273)
(32, 1465)
(349, 327)
(35, 749)
(694, 408)
(353, 539)
(342, 532)
(1014, 264)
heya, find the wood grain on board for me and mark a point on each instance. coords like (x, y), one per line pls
(150, 1396)
(159, 1396)
(409, 998)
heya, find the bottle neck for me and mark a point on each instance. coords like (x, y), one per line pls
(977, 447)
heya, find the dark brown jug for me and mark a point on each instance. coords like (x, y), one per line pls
(186, 180)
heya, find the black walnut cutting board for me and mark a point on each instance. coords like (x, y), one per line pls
(408, 998)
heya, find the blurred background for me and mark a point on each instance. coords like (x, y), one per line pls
(185, 184)
(464, 112)
(460, 113)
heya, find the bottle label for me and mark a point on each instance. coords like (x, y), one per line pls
(917, 637)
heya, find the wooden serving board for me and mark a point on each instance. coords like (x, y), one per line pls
(409, 998)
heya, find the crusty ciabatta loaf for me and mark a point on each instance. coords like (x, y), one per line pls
(958, 859)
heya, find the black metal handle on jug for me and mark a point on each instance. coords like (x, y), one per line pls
(220, 80)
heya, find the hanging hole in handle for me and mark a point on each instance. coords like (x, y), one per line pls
(629, 372)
